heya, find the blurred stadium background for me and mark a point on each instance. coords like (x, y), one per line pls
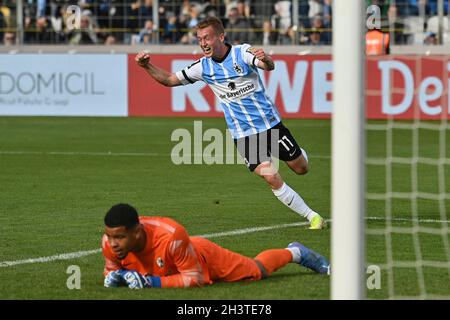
(82, 127)
(109, 22)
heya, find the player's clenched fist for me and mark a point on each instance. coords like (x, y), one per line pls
(259, 54)
(142, 58)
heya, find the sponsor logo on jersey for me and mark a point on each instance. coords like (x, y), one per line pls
(241, 91)
(237, 93)
(160, 262)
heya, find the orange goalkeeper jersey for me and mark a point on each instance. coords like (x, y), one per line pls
(168, 253)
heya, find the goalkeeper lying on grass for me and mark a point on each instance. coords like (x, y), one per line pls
(145, 252)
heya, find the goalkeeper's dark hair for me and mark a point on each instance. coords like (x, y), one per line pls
(122, 215)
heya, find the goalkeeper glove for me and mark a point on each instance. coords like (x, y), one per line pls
(114, 279)
(132, 279)
(135, 280)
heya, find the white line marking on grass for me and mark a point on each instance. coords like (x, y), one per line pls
(74, 153)
(251, 230)
(79, 254)
(116, 154)
(408, 220)
(64, 256)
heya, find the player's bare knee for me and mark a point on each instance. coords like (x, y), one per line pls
(301, 170)
(299, 165)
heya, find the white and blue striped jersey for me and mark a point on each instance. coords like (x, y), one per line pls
(236, 83)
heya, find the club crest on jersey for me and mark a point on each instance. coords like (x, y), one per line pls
(237, 68)
(160, 262)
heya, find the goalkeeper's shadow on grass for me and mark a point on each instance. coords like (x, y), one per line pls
(303, 273)
(275, 278)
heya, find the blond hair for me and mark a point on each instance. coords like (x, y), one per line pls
(213, 22)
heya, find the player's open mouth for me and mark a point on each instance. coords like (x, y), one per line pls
(207, 50)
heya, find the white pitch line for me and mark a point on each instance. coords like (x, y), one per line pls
(74, 153)
(251, 230)
(128, 154)
(64, 256)
(78, 254)
(408, 220)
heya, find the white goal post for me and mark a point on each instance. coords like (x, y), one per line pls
(348, 141)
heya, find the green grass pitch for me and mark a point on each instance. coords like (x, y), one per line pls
(60, 175)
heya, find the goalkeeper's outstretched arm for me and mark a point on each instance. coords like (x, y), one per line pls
(162, 76)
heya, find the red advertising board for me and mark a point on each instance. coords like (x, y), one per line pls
(408, 87)
(403, 87)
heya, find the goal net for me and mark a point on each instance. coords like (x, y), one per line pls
(390, 168)
(408, 176)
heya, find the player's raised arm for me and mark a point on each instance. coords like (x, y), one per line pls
(162, 76)
(265, 61)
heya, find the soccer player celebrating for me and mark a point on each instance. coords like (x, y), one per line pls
(146, 252)
(252, 118)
